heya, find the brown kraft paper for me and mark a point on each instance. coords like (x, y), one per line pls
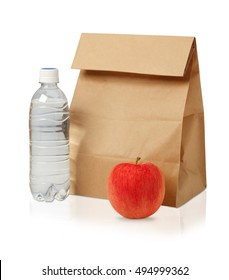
(136, 96)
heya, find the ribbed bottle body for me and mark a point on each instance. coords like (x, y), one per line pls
(49, 144)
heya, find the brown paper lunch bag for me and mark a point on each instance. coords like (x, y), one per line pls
(137, 95)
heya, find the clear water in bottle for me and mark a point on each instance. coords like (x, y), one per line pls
(49, 140)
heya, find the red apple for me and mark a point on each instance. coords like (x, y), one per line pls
(136, 190)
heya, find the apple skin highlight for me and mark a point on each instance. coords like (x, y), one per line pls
(136, 190)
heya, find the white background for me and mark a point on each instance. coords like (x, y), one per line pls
(87, 232)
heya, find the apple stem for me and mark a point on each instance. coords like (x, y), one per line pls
(137, 160)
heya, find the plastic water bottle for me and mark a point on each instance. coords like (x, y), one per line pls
(49, 140)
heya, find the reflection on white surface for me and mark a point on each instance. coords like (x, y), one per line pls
(96, 213)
